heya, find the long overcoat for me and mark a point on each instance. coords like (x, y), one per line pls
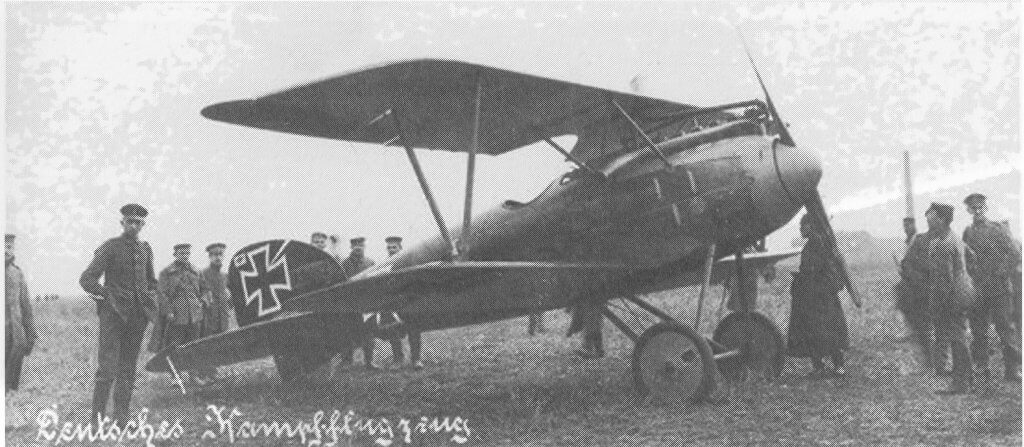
(817, 324)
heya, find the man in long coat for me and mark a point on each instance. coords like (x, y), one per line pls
(994, 260)
(216, 314)
(21, 329)
(949, 293)
(817, 324)
(355, 263)
(182, 295)
(914, 278)
(125, 303)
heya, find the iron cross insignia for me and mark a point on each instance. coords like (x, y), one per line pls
(266, 277)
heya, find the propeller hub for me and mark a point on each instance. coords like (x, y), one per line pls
(799, 171)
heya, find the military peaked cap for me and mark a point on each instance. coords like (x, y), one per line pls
(317, 234)
(977, 196)
(8, 237)
(216, 246)
(134, 210)
(181, 246)
(395, 239)
(944, 211)
(357, 240)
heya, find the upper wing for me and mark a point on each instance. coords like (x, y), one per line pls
(388, 290)
(435, 100)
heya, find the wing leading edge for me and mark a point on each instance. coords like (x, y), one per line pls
(435, 101)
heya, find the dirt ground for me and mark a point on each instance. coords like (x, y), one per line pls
(509, 388)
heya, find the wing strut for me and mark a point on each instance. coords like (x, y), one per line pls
(570, 157)
(467, 213)
(423, 181)
(643, 134)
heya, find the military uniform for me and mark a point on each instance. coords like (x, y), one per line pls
(817, 324)
(216, 318)
(994, 260)
(948, 296)
(125, 305)
(181, 294)
(353, 266)
(914, 302)
(21, 330)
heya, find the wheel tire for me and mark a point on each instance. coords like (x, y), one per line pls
(762, 345)
(674, 363)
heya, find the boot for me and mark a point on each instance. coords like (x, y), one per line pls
(100, 396)
(122, 401)
(957, 386)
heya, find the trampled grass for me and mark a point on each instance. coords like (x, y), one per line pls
(519, 390)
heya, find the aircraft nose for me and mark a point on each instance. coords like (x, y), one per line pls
(799, 170)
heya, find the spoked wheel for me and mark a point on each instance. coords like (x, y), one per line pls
(673, 362)
(762, 350)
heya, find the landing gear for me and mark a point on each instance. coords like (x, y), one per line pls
(761, 346)
(674, 362)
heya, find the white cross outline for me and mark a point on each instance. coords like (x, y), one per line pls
(278, 260)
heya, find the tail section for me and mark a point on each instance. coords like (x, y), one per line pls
(265, 275)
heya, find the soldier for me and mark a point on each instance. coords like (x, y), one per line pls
(994, 259)
(1015, 316)
(216, 315)
(949, 293)
(915, 307)
(183, 296)
(817, 325)
(391, 326)
(126, 303)
(536, 323)
(335, 251)
(356, 261)
(21, 330)
(319, 240)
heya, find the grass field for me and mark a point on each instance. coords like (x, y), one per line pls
(519, 390)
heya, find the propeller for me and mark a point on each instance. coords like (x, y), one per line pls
(814, 205)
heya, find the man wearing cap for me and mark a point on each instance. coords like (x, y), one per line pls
(914, 304)
(949, 293)
(391, 326)
(182, 294)
(994, 260)
(319, 240)
(357, 261)
(125, 303)
(817, 324)
(21, 330)
(216, 315)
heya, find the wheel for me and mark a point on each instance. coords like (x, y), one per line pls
(761, 344)
(673, 362)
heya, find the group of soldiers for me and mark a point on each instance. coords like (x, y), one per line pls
(389, 326)
(947, 282)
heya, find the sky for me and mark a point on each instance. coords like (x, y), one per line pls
(102, 108)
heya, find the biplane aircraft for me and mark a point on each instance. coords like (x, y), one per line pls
(655, 199)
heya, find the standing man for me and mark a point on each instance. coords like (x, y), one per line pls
(216, 315)
(182, 294)
(949, 293)
(817, 324)
(357, 261)
(394, 328)
(21, 330)
(125, 303)
(915, 306)
(994, 259)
